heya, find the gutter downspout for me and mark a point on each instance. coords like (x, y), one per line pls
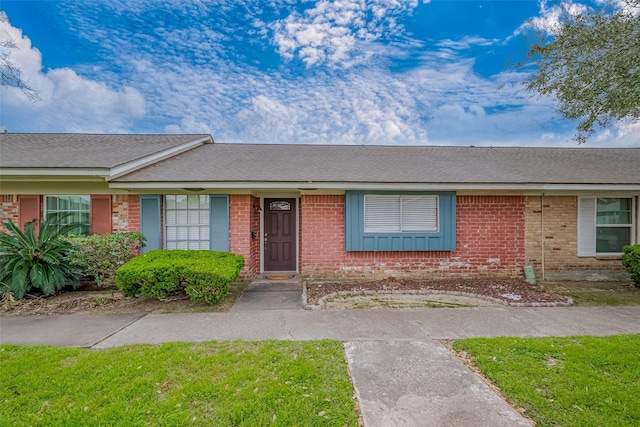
(542, 231)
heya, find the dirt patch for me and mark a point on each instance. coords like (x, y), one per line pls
(109, 301)
(587, 293)
(405, 301)
(505, 291)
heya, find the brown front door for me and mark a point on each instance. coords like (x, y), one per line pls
(279, 234)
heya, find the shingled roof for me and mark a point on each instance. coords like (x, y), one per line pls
(184, 160)
(78, 150)
(394, 164)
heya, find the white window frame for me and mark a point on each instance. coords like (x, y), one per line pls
(190, 225)
(402, 206)
(47, 212)
(588, 225)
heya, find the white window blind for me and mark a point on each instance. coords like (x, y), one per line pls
(586, 226)
(400, 213)
(187, 221)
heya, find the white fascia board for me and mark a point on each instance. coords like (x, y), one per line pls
(376, 186)
(134, 165)
(48, 172)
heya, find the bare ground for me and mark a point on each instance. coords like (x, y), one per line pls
(112, 301)
(506, 291)
(404, 295)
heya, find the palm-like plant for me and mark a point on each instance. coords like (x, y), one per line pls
(36, 260)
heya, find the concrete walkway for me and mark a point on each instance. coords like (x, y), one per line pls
(402, 374)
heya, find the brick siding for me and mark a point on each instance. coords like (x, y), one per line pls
(244, 217)
(9, 211)
(125, 213)
(561, 261)
(490, 242)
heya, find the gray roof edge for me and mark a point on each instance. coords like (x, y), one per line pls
(374, 186)
(134, 165)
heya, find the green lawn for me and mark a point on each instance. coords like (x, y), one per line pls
(239, 383)
(575, 381)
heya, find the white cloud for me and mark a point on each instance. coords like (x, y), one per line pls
(439, 99)
(467, 42)
(338, 33)
(68, 102)
(550, 19)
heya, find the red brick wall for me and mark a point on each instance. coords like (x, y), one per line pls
(125, 213)
(243, 216)
(490, 242)
(8, 210)
(125, 210)
(254, 265)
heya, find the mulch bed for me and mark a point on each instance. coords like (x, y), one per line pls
(510, 291)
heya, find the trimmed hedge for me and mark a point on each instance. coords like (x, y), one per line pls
(631, 261)
(201, 274)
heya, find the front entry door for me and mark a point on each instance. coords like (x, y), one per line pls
(279, 234)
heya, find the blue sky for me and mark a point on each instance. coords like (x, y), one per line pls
(336, 72)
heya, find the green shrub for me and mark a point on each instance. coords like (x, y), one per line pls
(29, 260)
(99, 256)
(631, 261)
(201, 274)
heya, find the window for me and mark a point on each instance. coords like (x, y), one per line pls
(400, 213)
(605, 225)
(613, 224)
(379, 221)
(187, 222)
(76, 206)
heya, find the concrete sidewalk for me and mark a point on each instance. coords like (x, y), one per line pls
(403, 376)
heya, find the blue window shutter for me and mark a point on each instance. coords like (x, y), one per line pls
(150, 223)
(354, 221)
(356, 239)
(219, 223)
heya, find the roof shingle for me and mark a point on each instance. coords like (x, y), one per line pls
(76, 150)
(395, 164)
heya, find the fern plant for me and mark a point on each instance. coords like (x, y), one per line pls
(31, 260)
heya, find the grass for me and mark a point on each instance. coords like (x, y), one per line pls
(597, 293)
(239, 383)
(574, 381)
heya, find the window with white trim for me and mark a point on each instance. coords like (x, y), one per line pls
(389, 213)
(187, 222)
(605, 225)
(74, 208)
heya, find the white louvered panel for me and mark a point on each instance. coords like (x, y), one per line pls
(420, 213)
(381, 213)
(204, 217)
(194, 233)
(171, 233)
(181, 201)
(586, 226)
(193, 202)
(182, 217)
(171, 217)
(170, 202)
(193, 217)
(204, 234)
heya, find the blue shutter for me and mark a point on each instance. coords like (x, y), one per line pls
(150, 222)
(356, 239)
(219, 223)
